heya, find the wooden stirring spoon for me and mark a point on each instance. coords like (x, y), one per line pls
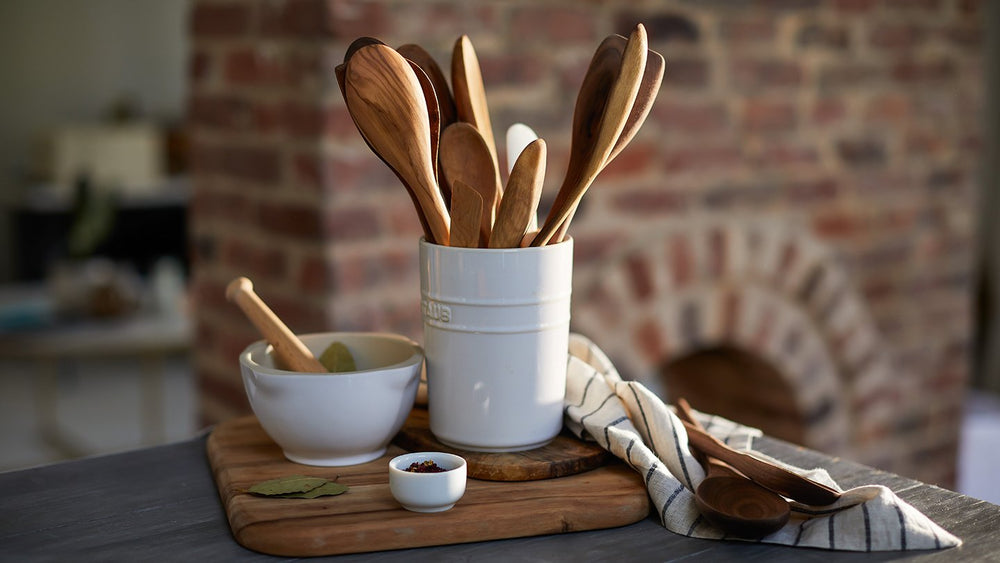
(604, 110)
(466, 215)
(386, 100)
(768, 475)
(470, 93)
(735, 504)
(287, 347)
(520, 199)
(465, 157)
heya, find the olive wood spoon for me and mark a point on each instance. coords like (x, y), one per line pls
(652, 78)
(341, 71)
(446, 103)
(466, 158)
(520, 198)
(768, 475)
(470, 93)
(602, 109)
(466, 215)
(289, 350)
(386, 99)
(735, 504)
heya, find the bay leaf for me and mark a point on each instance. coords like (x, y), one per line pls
(337, 358)
(327, 489)
(287, 485)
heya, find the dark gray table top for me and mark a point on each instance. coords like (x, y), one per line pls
(160, 504)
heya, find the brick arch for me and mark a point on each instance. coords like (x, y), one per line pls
(766, 287)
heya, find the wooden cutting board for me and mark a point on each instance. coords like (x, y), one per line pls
(565, 455)
(367, 518)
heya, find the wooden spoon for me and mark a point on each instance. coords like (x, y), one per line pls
(289, 350)
(423, 59)
(466, 215)
(768, 475)
(652, 77)
(520, 199)
(341, 71)
(603, 106)
(735, 504)
(386, 100)
(470, 93)
(466, 158)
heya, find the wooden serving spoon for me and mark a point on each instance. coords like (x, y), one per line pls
(386, 100)
(466, 215)
(417, 54)
(520, 199)
(603, 105)
(466, 158)
(735, 504)
(289, 350)
(470, 93)
(768, 475)
(652, 78)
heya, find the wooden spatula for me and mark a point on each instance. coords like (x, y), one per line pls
(520, 199)
(287, 347)
(466, 215)
(470, 93)
(465, 157)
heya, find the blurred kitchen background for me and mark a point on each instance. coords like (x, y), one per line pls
(803, 237)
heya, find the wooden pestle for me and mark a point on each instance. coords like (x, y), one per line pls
(289, 350)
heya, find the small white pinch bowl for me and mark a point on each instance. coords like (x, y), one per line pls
(333, 419)
(428, 492)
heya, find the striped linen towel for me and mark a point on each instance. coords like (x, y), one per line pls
(635, 425)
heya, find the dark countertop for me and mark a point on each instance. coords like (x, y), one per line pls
(161, 504)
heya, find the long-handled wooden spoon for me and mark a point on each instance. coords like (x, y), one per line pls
(652, 77)
(425, 61)
(520, 199)
(735, 504)
(602, 107)
(466, 215)
(466, 158)
(287, 347)
(768, 475)
(470, 93)
(386, 99)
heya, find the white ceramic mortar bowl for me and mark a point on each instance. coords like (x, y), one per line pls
(330, 419)
(428, 492)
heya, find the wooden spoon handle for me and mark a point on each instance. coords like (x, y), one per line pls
(287, 347)
(771, 476)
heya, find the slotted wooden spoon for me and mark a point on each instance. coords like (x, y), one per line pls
(386, 100)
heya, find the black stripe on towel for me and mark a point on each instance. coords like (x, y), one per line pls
(868, 527)
(649, 474)
(645, 421)
(694, 525)
(830, 528)
(680, 456)
(666, 505)
(607, 438)
(598, 409)
(586, 388)
(902, 528)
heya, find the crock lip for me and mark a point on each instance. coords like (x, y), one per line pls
(261, 370)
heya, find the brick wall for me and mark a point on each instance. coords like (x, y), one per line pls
(855, 121)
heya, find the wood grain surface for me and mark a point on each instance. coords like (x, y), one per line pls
(367, 518)
(564, 456)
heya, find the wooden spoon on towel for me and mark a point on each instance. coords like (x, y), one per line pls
(768, 475)
(726, 498)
